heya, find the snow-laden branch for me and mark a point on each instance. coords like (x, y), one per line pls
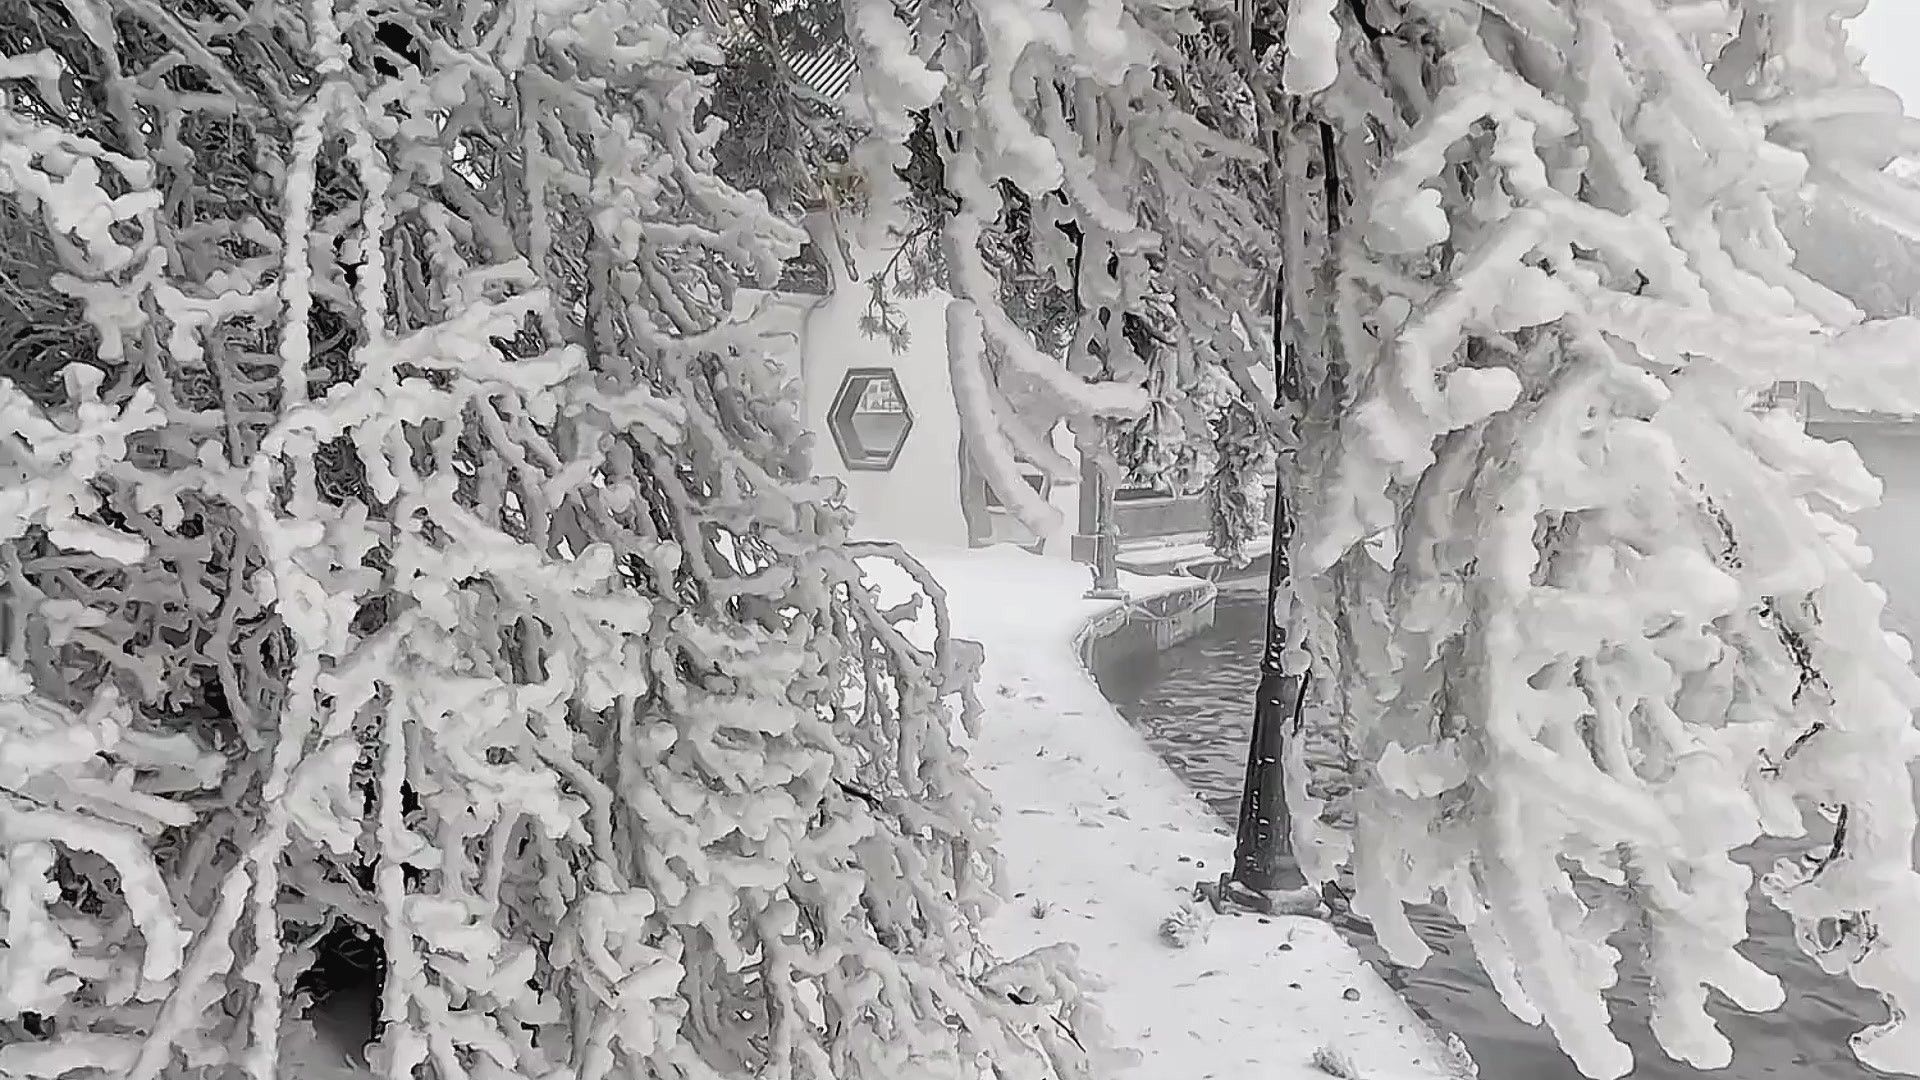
(1086, 114)
(1577, 599)
(422, 553)
(1313, 37)
(973, 394)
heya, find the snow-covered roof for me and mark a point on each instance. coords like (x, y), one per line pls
(826, 71)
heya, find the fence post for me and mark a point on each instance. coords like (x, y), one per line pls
(1097, 543)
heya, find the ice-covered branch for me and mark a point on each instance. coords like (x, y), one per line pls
(412, 551)
(1577, 597)
(1078, 135)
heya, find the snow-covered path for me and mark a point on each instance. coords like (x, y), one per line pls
(1102, 842)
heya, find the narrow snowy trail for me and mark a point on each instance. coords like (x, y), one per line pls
(1102, 843)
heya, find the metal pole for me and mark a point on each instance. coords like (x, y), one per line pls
(1262, 859)
(1087, 535)
(1096, 495)
(1265, 875)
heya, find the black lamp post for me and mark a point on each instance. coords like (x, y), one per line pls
(1260, 849)
(1265, 877)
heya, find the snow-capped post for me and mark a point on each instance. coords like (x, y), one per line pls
(1098, 542)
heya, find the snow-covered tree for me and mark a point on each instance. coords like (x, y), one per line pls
(1587, 612)
(403, 538)
(1855, 255)
(1072, 133)
(1585, 608)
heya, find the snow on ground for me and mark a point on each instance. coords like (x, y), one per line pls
(1102, 842)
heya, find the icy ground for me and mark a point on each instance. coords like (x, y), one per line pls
(1102, 843)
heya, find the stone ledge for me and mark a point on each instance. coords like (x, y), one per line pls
(1146, 624)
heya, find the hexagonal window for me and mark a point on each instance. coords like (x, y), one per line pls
(869, 419)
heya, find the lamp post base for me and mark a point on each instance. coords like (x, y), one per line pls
(1227, 895)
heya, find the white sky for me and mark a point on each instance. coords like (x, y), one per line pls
(1888, 33)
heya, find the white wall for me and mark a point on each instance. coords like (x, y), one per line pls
(918, 500)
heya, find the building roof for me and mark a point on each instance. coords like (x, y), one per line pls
(827, 71)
